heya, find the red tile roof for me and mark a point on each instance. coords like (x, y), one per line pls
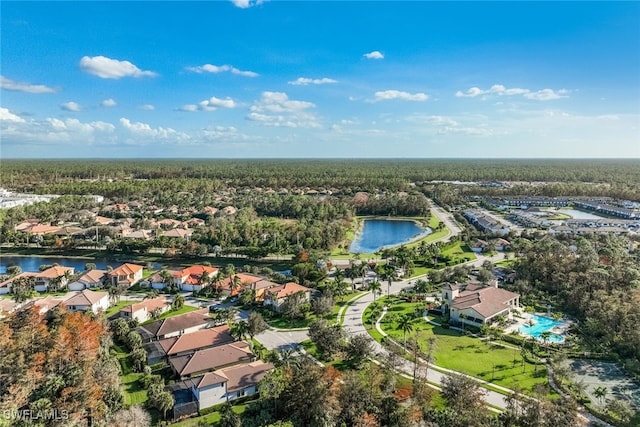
(125, 269)
(55, 271)
(287, 289)
(149, 304)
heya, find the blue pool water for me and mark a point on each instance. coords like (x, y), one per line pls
(379, 233)
(542, 324)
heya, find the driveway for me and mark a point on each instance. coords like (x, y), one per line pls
(281, 340)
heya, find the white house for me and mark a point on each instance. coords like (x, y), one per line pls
(89, 279)
(191, 278)
(56, 276)
(88, 300)
(5, 287)
(228, 384)
(142, 311)
(125, 275)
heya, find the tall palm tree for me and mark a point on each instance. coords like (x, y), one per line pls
(600, 393)
(389, 274)
(240, 329)
(374, 314)
(405, 324)
(376, 289)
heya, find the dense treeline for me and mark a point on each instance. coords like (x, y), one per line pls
(58, 368)
(363, 175)
(596, 279)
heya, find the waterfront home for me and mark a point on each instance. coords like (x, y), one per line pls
(194, 278)
(125, 275)
(88, 279)
(55, 277)
(5, 287)
(231, 286)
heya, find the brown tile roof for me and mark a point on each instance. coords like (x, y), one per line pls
(42, 229)
(45, 304)
(125, 269)
(85, 297)
(178, 232)
(204, 338)
(91, 277)
(243, 376)
(263, 284)
(208, 379)
(178, 323)
(287, 289)
(245, 280)
(487, 301)
(149, 304)
(11, 279)
(211, 358)
(55, 271)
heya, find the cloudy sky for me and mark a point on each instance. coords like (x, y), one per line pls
(248, 78)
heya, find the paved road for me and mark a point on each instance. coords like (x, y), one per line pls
(282, 340)
(446, 218)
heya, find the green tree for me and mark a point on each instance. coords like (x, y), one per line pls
(406, 323)
(178, 303)
(376, 289)
(358, 348)
(255, 324)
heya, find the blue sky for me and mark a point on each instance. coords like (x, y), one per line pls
(248, 78)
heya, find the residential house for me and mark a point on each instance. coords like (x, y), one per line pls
(87, 300)
(187, 343)
(478, 245)
(143, 310)
(125, 275)
(476, 304)
(5, 287)
(193, 278)
(275, 296)
(176, 325)
(178, 233)
(89, 279)
(232, 286)
(54, 277)
(227, 384)
(210, 359)
(260, 288)
(43, 305)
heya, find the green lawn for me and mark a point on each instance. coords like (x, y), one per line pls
(458, 252)
(132, 390)
(210, 419)
(184, 309)
(489, 362)
(117, 307)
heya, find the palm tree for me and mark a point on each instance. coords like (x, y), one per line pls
(376, 288)
(240, 329)
(405, 324)
(545, 337)
(388, 274)
(600, 393)
(374, 314)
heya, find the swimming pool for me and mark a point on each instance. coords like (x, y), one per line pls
(542, 324)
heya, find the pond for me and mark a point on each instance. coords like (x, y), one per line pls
(33, 263)
(378, 234)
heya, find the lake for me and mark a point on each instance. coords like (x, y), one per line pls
(33, 263)
(377, 234)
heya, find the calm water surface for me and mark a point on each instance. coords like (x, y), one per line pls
(33, 263)
(379, 233)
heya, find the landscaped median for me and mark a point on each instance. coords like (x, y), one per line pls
(456, 351)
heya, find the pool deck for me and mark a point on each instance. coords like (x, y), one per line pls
(524, 319)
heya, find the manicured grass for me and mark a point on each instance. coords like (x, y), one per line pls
(458, 251)
(282, 322)
(184, 309)
(506, 262)
(489, 362)
(132, 390)
(117, 307)
(209, 419)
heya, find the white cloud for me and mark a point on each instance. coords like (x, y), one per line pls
(396, 94)
(276, 109)
(9, 84)
(71, 106)
(304, 81)
(374, 55)
(108, 68)
(75, 125)
(109, 103)
(145, 130)
(146, 107)
(500, 90)
(215, 69)
(8, 116)
(245, 4)
(547, 94)
(210, 104)
(442, 121)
